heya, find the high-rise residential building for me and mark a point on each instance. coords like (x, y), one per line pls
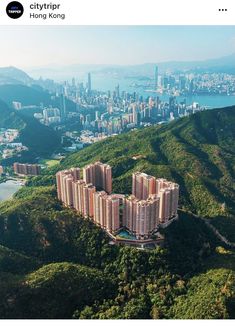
(26, 169)
(112, 214)
(61, 190)
(64, 180)
(99, 208)
(67, 182)
(100, 175)
(88, 192)
(165, 204)
(51, 115)
(108, 210)
(78, 195)
(154, 201)
(142, 216)
(129, 215)
(143, 185)
(169, 197)
(83, 197)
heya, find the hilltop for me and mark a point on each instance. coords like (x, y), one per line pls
(13, 75)
(66, 256)
(193, 276)
(197, 152)
(223, 64)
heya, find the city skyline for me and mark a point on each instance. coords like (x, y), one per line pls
(103, 44)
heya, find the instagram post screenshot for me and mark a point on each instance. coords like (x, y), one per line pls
(117, 161)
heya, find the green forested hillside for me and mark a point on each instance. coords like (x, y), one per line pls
(198, 152)
(56, 290)
(40, 139)
(192, 276)
(77, 274)
(31, 95)
(24, 94)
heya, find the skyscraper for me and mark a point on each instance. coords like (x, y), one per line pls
(117, 90)
(100, 175)
(63, 112)
(26, 169)
(155, 77)
(154, 201)
(142, 216)
(62, 191)
(143, 185)
(89, 83)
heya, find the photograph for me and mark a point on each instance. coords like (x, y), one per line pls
(117, 171)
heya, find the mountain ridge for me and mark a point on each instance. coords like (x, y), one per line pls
(198, 152)
(12, 75)
(192, 276)
(221, 64)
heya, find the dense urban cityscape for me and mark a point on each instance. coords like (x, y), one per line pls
(100, 114)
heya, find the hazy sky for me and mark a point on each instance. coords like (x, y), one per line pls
(31, 46)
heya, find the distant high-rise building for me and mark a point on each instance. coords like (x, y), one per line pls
(191, 86)
(117, 90)
(27, 169)
(172, 102)
(97, 115)
(73, 82)
(155, 77)
(135, 114)
(63, 112)
(51, 115)
(1, 170)
(17, 105)
(182, 83)
(89, 83)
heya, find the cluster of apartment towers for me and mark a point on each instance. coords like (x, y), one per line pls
(153, 201)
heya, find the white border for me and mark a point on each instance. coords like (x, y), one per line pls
(130, 12)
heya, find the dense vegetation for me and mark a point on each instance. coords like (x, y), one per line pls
(198, 152)
(30, 129)
(31, 95)
(55, 264)
(24, 94)
(69, 269)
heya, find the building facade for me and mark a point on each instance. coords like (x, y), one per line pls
(26, 169)
(100, 175)
(153, 201)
